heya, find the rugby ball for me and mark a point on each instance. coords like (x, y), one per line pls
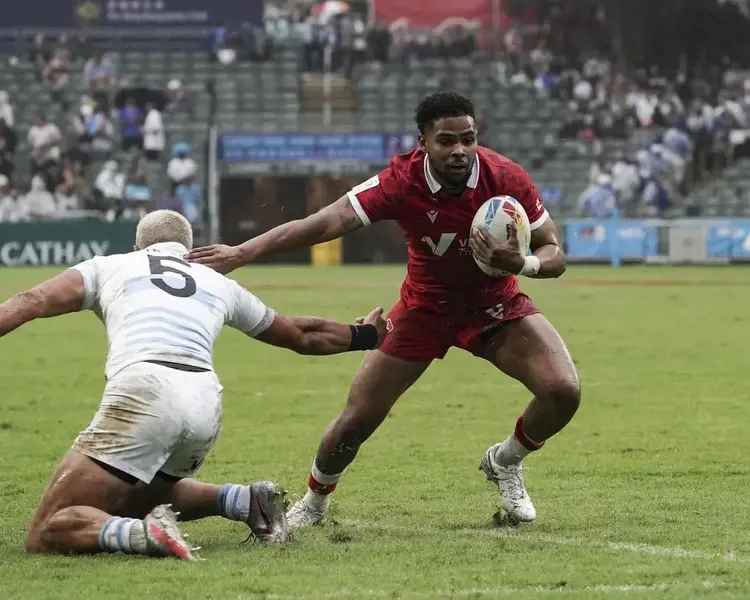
(496, 216)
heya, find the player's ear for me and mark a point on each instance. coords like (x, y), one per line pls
(422, 142)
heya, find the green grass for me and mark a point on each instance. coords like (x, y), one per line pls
(655, 461)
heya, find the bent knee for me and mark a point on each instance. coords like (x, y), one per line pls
(566, 394)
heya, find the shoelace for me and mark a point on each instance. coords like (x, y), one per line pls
(514, 477)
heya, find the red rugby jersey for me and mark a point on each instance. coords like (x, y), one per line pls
(442, 276)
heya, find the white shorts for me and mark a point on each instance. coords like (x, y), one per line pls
(154, 418)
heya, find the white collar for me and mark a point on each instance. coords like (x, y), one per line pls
(168, 248)
(435, 186)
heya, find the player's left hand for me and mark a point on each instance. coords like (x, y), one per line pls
(505, 256)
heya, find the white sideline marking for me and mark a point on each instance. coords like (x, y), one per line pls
(628, 547)
(499, 591)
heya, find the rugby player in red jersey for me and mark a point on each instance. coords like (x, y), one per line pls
(433, 193)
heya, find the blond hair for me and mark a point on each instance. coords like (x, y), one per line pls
(163, 226)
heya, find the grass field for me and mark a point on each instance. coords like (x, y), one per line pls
(644, 495)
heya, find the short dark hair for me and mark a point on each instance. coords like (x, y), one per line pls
(441, 105)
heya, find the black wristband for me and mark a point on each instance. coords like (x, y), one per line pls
(364, 337)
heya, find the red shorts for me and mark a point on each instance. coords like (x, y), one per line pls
(419, 335)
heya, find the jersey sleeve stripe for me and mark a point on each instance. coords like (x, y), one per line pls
(540, 221)
(354, 201)
(265, 323)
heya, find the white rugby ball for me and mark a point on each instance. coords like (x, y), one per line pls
(496, 216)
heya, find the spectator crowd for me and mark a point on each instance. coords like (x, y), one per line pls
(100, 153)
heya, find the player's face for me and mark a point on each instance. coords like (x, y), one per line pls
(451, 145)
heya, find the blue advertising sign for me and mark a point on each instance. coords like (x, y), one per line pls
(128, 13)
(314, 147)
(608, 239)
(730, 240)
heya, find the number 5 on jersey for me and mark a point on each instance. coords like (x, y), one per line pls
(157, 267)
(445, 241)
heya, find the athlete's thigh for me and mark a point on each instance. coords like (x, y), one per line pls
(530, 350)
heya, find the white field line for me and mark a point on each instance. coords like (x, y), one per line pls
(495, 592)
(529, 534)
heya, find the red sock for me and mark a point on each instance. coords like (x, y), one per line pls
(321, 489)
(525, 440)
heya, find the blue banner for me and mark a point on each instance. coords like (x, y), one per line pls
(731, 240)
(316, 147)
(128, 13)
(611, 239)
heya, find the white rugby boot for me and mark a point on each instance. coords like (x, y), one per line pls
(267, 518)
(163, 535)
(514, 499)
(308, 511)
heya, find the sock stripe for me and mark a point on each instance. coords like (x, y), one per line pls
(320, 488)
(223, 498)
(525, 440)
(103, 534)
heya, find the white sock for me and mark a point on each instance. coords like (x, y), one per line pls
(509, 452)
(320, 486)
(121, 534)
(234, 502)
(319, 502)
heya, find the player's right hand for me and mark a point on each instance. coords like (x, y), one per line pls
(219, 257)
(376, 318)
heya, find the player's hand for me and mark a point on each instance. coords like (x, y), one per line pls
(376, 318)
(219, 257)
(505, 256)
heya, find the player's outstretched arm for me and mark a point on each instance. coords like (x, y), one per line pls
(331, 222)
(62, 294)
(312, 335)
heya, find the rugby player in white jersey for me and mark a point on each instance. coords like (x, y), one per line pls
(128, 474)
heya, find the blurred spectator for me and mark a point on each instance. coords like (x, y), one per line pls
(109, 188)
(81, 47)
(66, 192)
(6, 165)
(69, 192)
(9, 211)
(7, 113)
(221, 47)
(39, 204)
(129, 118)
(56, 76)
(40, 53)
(99, 72)
(189, 196)
(8, 138)
(541, 58)
(154, 138)
(137, 194)
(256, 46)
(598, 200)
(177, 99)
(181, 168)
(173, 202)
(379, 41)
(45, 139)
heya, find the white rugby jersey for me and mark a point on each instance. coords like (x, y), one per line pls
(156, 306)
